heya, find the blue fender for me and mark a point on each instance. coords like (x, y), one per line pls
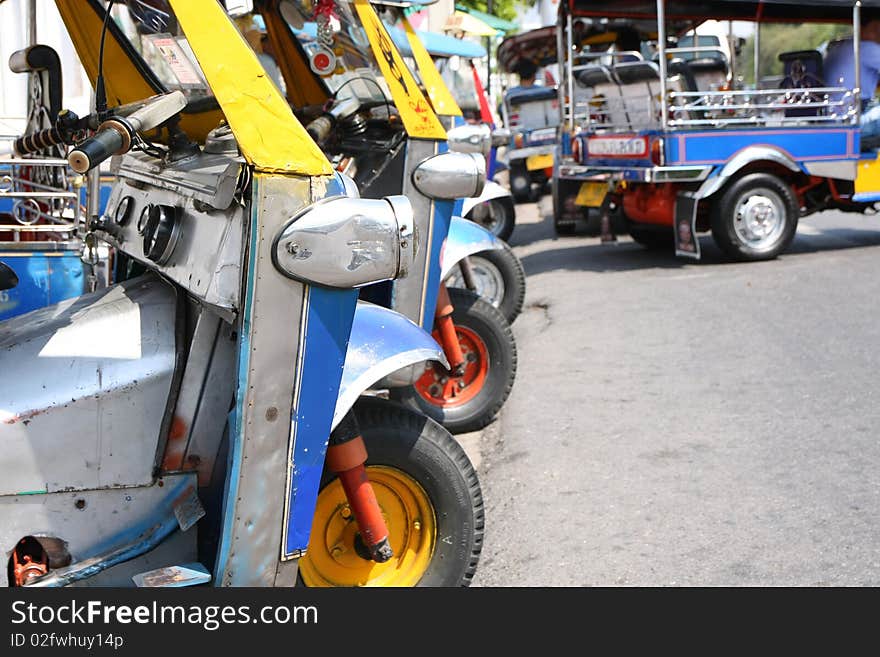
(382, 342)
(466, 238)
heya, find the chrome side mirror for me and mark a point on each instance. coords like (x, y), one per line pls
(451, 176)
(501, 137)
(470, 138)
(345, 242)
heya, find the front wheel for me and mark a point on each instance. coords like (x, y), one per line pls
(499, 278)
(497, 215)
(471, 401)
(520, 183)
(429, 495)
(755, 218)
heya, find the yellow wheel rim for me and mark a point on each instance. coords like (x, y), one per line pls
(331, 559)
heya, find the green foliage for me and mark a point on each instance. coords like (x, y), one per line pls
(505, 9)
(776, 38)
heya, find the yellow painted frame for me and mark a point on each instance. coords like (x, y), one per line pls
(123, 81)
(418, 116)
(268, 134)
(441, 98)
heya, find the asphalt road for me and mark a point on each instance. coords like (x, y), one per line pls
(679, 423)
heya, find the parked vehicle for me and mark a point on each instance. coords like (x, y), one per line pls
(174, 426)
(457, 61)
(530, 113)
(457, 96)
(398, 145)
(675, 151)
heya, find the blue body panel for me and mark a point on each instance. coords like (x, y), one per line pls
(443, 212)
(802, 144)
(45, 278)
(327, 328)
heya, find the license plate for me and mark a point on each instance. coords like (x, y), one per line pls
(535, 162)
(617, 147)
(591, 195)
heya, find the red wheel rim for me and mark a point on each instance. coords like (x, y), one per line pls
(457, 390)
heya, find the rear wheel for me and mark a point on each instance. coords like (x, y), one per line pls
(499, 278)
(497, 215)
(468, 402)
(430, 498)
(755, 218)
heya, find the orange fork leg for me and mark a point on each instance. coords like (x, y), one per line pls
(346, 455)
(448, 337)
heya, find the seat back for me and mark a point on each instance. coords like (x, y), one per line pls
(803, 69)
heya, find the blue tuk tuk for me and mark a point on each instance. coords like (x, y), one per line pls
(676, 150)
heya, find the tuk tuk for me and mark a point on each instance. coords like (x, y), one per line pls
(667, 143)
(374, 122)
(200, 421)
(455, 59)
(530, 113)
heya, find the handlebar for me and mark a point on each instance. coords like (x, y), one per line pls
(319, 129)
(38, 141)
(115, 135)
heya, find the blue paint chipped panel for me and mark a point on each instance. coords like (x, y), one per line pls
(328, 325)
(43, 279)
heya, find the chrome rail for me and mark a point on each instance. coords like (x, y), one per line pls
(44, 195)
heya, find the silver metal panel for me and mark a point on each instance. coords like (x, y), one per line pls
(192, 392)
(89, 521)
(382, 342)
(84, 388)
(206, 260)
(838, 170)
(270, 335)
(216, 391)
(684, 173)
(409, 293)
(465, 237)
(490, 191)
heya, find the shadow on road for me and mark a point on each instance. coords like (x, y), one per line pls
(580, 253)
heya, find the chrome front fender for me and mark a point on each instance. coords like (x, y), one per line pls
(465, 238)
(740, 160)
(382, 342)
(490, 190)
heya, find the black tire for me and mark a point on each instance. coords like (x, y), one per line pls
(520, 184)
(400, 438)
(562, 225)
(729, 229)
(479, 317)
(496, 268)
(654, 240)
(498, 216)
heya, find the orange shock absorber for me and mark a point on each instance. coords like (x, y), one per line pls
(346, 455)
(446, 328)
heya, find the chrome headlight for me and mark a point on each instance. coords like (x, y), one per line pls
(451, 176)
(347, 242)
(470, 138)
